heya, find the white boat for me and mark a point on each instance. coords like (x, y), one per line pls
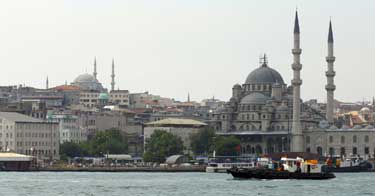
(221, 164)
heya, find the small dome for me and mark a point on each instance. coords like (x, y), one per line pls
(237, 86)
(254, 98)
(264, 74)
(365, 109)
(103, 96)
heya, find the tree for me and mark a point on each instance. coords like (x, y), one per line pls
(203, 141)
(108, 142)
(160, 145)
(227, 146)
(70, 149)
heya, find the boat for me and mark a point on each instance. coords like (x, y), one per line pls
(287, 168)
(220, 164)
(349, 164)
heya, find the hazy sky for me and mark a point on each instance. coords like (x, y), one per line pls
(171, 48)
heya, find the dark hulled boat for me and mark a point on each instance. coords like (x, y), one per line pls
(262, 173)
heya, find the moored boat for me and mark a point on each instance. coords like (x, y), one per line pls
(289, 168)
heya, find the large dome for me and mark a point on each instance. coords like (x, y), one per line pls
(85, 78)
(88, 82)
(264, 74)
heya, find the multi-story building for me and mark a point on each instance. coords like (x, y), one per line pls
(25, 135)
(70, 129)
(119, 97)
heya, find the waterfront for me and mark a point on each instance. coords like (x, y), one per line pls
(165, 184)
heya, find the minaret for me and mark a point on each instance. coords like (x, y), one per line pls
(330, 87)
(47, 83)
(188, 98)
(95, 73)
(297, 137)
(113, 75)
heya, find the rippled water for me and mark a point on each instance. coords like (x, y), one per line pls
(165, 184)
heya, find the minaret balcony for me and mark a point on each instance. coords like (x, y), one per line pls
(297, 51)
(296, 82)
(330, 87)
(296, 66)
(330, 59)
(330, 73)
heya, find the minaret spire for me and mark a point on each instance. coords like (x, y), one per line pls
(47, 83)
(297, 137)
(188, 98)
(95, 73)
(113, 75)
(330, 73)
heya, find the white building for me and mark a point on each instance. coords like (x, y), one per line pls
(25, 135)
(70, 130)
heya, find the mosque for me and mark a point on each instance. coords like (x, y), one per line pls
(269, 116)
(88, 82)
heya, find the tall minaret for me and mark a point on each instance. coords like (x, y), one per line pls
(297, 137)
(330, 87)
(95, 73)
(188, 98)
(113, 75)
(47, 83)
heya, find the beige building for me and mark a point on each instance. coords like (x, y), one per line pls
(119, 97)
(182, 128)
(25, 135)
(89, 98)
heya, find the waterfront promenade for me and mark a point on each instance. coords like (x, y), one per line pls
(120, 169)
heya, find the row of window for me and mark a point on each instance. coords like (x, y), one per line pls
(249, 107)
(34, 143)
(342, 139)
(258, 87)
(37, 126)
(38, 152)
(332, 150)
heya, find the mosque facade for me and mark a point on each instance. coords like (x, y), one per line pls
(269, 116)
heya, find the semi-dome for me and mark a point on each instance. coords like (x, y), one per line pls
(254, 98)
(264, 75)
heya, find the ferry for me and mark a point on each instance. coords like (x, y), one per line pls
(220, 164)
(347, 164)
(287, 168)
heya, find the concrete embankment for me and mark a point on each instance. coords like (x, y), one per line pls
(121, 169)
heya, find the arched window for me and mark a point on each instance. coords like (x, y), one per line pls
(319, 150)
(247, 127)
(366, 138)
(342, 151)
(330, 139)
(342, 139)
(248, 149)
(307, 139)
(354, 151)
(258, 149)
(331, 151)
(247, 116)
(354, 139)
(308, 150)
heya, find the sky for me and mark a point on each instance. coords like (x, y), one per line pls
(172, 48)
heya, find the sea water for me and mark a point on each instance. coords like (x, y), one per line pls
(176, 184)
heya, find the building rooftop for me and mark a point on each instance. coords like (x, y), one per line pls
(17, 117)
(9, 156)
(177, 122)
